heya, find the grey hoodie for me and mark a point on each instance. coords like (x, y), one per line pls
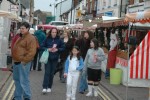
(89, 62)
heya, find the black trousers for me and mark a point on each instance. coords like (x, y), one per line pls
(36, 60)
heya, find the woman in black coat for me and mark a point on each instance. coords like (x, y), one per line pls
(63, 56)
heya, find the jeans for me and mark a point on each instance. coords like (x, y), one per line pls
(21, 79)
(36, 59)
(83, 83)
(107, 73)
(50, 68)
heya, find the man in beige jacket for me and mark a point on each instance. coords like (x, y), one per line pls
(23, 52)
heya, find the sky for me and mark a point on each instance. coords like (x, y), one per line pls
(43, 5)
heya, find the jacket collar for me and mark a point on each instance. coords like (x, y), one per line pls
(24, 35)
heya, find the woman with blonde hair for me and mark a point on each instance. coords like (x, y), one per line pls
(63, 56)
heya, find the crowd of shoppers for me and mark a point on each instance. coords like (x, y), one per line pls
(78, 60)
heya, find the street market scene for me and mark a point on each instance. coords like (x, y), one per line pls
(74, 49)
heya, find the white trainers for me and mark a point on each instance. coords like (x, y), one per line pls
(68, 98)
(95, 93)
(48, 90)
(44, 91)
(89, 94)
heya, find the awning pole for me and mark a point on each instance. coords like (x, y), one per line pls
(129, 29)
(149, 94)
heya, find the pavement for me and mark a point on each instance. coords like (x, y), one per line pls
(59, 89)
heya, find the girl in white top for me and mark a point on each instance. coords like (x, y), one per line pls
(73, 65)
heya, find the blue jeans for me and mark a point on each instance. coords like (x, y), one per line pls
(83, 83)
(50, 68)
(21, 79)
(107, 73)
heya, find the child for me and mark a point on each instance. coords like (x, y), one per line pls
(73, 65)
(92, 63)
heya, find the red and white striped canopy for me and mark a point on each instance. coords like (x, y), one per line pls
(140, 60)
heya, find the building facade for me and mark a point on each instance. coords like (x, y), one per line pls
(138, 5)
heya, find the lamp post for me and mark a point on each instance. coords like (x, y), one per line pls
(54, 8)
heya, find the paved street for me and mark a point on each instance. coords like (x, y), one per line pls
(58, 90)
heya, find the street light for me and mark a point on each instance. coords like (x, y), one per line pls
(54, 8)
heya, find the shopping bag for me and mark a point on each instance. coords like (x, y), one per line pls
(44, 57)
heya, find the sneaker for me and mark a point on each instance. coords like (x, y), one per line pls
(68, 98)
(39, 70)
(44, 91)
(89, 94)
(48, 90)
(13, 98)
(26, 99)
(95, 93)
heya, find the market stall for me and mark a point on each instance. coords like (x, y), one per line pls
(5, 23)
(122, 53)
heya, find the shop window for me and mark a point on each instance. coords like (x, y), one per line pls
(103, 4)
(141, 1)
(115, 2)
(131, 2)
(109, 3)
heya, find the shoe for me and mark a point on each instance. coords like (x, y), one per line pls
(90, 87)
(13, 98)
(63, 81)
(39, 70)
(89, 94)
(48, 90)
(95, 93)
(26, 99)
(44, 91)
(81, 92)
(68, 98)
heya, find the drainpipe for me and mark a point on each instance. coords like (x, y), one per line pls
(120, 8)
(71, 12)
(0, 3)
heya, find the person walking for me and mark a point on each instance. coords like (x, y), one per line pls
(40, 35)
(55, 46)
(63, 56)
(84, 45)
(73, 66)
(92, 64)
(23, 51)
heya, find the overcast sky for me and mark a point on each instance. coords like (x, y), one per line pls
(43, 5)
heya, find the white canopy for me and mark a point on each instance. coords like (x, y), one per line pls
(110, 19)
(9, 15)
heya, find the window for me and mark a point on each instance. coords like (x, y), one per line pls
(141, 1)
(90, 7)
(131, 2)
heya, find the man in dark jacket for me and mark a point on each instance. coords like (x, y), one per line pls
(40, 35)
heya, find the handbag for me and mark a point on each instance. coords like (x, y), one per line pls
(44, 57)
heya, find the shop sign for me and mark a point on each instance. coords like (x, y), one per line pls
(14, 7)
(134, 9)
(109, 13)
(78, 13)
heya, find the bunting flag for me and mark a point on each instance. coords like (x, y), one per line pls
(140, 60)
